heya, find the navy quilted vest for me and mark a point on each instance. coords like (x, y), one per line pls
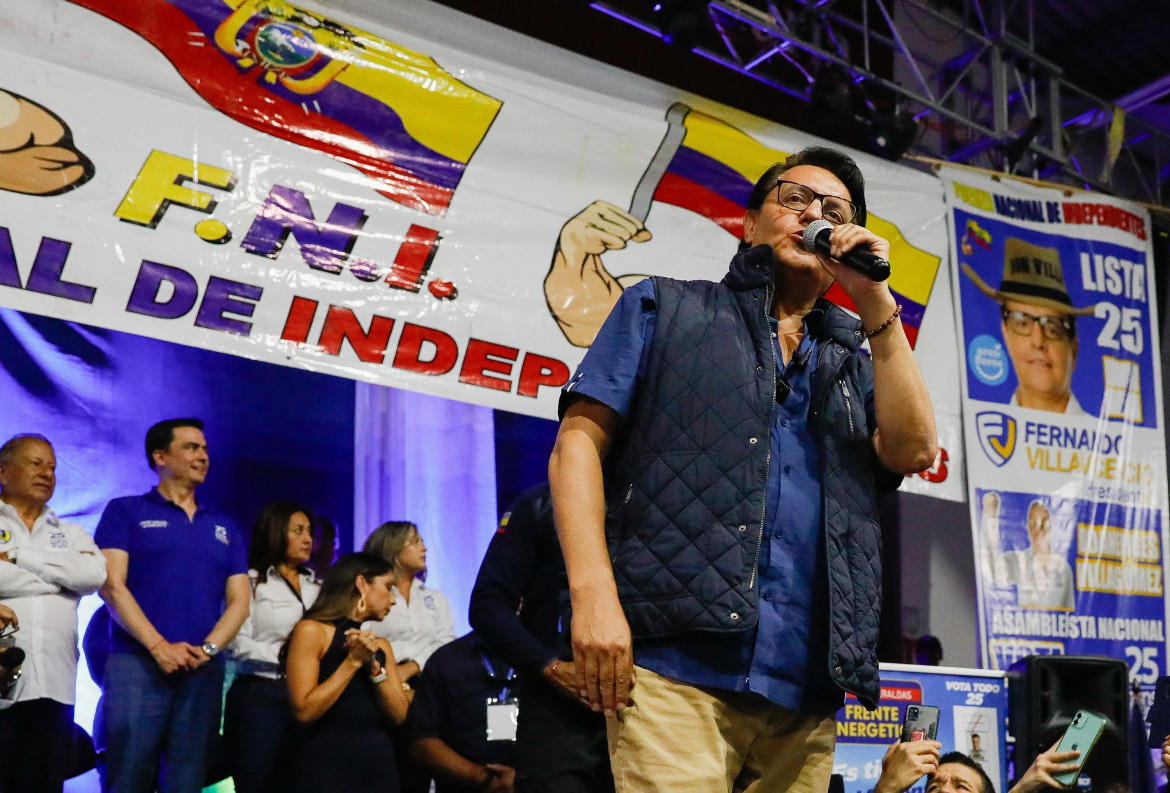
(686, 482)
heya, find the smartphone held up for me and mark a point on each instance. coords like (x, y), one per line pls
(920, 723)
(1081, 735)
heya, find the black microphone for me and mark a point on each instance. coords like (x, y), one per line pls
(816, 239)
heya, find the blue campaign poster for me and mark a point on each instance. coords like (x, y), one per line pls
(1108, 290)
(1062, 413)
(972, 707)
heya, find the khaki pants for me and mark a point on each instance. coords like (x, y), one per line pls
(678, 738)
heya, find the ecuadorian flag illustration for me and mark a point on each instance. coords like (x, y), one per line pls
(708, 166)
(393, 114)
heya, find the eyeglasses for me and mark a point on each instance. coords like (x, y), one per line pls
(797, 197)
(1054, 328)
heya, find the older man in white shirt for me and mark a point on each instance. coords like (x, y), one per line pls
(46, 565)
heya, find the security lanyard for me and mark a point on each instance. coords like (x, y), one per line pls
(507, 677)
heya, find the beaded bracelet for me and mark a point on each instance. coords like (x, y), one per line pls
(869, 334)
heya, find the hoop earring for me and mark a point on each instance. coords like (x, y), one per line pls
(361, 604)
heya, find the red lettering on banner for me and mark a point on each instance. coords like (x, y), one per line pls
(414, 258)
(342, 325)
(938, 470)
(538, 370)
(424, 350)
(900, 694)
(483, 357)
(1104, 215)
(300, 319)
(409, 356)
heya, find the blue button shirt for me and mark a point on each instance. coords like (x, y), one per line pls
(178, 566)
(785, 658)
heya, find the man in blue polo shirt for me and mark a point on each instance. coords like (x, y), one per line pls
(714, 485)
(172, 564)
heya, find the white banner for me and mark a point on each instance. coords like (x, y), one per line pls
(403, 205)
(1063, 396)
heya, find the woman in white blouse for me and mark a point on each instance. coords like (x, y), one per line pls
(258, 721)
(420, 621)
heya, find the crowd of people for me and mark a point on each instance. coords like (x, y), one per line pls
(682, 607)
(345, 672)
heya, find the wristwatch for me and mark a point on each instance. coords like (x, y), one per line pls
(378, 678)
(210, 649)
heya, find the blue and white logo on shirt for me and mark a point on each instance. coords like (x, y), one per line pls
(429, 602)
(152, 524)
(222, 535)
(58, 541)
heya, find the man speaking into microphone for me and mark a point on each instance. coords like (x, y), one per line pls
(724, 445)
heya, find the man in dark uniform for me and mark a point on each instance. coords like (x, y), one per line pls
(448, 729)
(520, 606)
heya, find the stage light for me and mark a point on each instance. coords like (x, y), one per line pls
(890, 135)
(1014, 150)
(836, 104)
(682, 22)
(840, 111)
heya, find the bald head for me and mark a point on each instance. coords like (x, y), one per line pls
(16, 442)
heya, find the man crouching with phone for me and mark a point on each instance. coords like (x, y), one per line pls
(906, 762)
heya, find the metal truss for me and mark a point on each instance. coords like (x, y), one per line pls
(972, 81)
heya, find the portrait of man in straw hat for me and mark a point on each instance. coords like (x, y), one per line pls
(1039, 326)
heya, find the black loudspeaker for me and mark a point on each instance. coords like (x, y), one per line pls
(1046, 691)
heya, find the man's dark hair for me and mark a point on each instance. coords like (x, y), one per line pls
(835, 162)
(959, 758)
(930, 646)
(162, 435)
(13, 445)
(324, 540)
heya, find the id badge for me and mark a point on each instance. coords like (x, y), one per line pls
(501, 718)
